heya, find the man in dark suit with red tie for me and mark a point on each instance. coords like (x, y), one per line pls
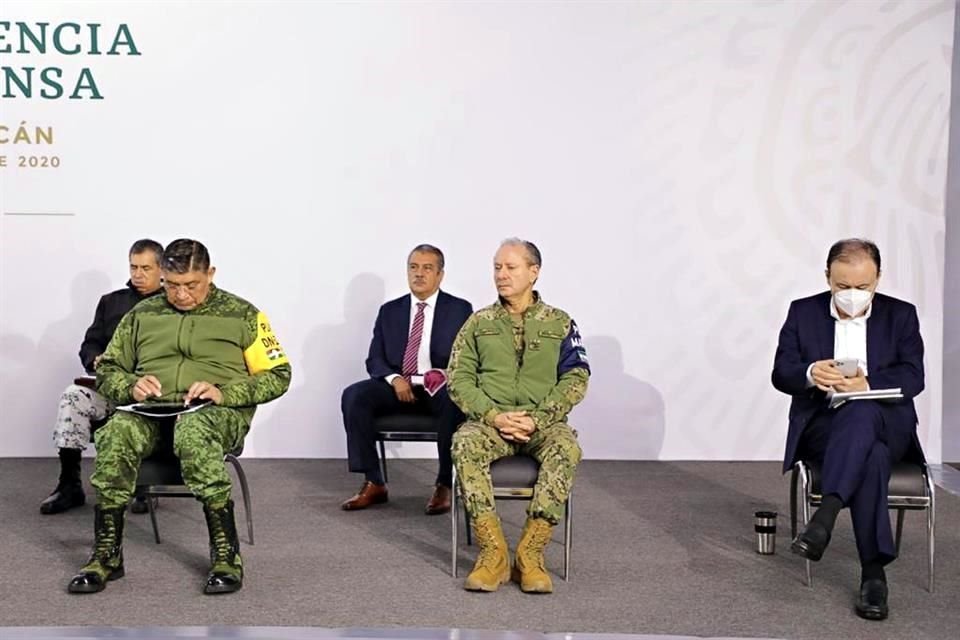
(856, 443)
(410, 349)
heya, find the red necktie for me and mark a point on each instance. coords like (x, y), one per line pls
(413, 343)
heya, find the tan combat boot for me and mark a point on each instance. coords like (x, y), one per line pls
(492, 568)
(528, 568)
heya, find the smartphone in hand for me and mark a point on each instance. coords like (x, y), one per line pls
(847, 366)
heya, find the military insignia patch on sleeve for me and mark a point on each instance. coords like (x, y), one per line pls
(265, 352)
(572, 353)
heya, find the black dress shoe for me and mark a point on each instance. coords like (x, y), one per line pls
(64, 497)
(872, 604)
(811, 542)
(139, 504)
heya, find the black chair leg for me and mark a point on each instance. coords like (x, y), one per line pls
(153, 517)
(567, 537)
(244, 492)
(383, 460)
(900, 513)
(466, 522)
(793, 502)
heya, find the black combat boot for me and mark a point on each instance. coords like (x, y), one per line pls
(106, 561)
(69, 491)
(226, 566)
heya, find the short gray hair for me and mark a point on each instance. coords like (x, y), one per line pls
(533, 254)
(428, 248)
(144, 245)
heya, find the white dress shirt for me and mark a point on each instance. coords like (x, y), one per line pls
(850, 336)
(423, 353)
(849, 339)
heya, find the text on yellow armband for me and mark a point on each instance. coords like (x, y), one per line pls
(265, 352)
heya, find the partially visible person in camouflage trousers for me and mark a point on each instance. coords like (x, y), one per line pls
(516, 370)
(196, 343)
(80, 404)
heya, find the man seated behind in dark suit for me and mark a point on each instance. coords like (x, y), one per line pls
(81, 406)
(412, 335)
(857, 443)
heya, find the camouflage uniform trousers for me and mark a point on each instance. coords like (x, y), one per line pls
(200, 440)
(476, 446)
(78, 407)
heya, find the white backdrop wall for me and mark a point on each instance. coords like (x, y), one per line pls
(683, 167)
(951, 284)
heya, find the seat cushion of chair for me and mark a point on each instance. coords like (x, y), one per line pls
(515, 472)
(163, 468)
(160, 469)
(413, 422)
(906, 480)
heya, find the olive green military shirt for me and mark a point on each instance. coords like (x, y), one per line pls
(225, 341)
(534, 363)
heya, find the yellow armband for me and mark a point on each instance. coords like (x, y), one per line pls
(265, 353)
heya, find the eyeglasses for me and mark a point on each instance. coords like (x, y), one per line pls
(174, 287)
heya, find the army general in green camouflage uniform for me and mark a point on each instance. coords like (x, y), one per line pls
(196, 343)
(516, 370)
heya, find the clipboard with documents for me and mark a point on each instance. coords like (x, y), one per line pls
(163, 409)
(837, 398)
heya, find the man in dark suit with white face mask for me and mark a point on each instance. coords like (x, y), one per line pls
(857, 443)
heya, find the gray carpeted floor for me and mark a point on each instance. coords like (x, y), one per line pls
(660, 548)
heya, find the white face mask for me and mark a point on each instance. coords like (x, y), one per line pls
(852, 301)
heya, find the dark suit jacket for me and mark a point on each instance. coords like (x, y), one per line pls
(111, 308)
(894, 359)
(392, 328)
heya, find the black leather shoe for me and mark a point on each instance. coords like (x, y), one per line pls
(811, 542)
(139, 504)
(872, 604)
(64, 497)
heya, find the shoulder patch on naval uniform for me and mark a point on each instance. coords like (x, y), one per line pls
(572, 353)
